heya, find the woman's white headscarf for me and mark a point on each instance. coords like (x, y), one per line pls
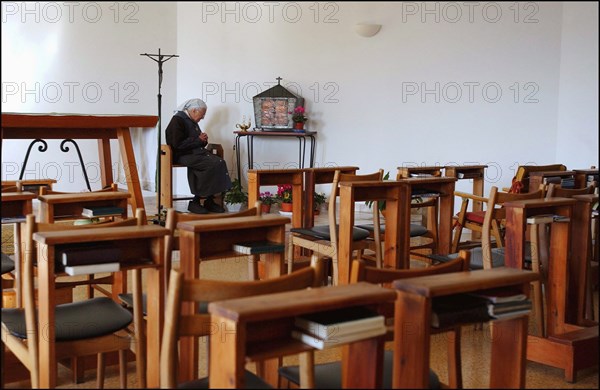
(191, 103)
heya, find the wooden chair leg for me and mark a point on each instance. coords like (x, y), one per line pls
(454, 362)
(538, 298)
(290, 255)
(100, 371)
(307, 370)
(123, 369)
(253, 267)
(139, 330)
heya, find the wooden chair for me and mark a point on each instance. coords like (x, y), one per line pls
(491, 253)
(203, 292)
(172, 244)
(166, 173)
(471, 220)
(323, 240)
(74, 336)
(520, 182)
(425, 237)
(328, 375)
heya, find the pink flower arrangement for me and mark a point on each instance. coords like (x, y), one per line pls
(299, 115)
(284, 193)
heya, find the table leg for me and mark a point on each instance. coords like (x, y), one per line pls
(509, 346)
(237, 157)
(106, 174)
(131, 174)
(312, 151)
(412, 321)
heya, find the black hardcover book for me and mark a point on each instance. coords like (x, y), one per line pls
(458, 309)
(90, 254)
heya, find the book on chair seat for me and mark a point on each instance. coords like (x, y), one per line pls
(92, 269)
(338, 323)
(99, 211)
(258, 247)
(458, 309)
(336, 341)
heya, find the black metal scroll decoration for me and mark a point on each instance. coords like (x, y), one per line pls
(42, 148)
(65, 149)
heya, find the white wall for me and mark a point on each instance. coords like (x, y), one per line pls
(84, 58)
(578, 92)
(358, 90)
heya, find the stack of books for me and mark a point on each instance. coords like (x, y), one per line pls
(89, 259)
(259, 247)
(101, 211)
(324, 330)
(457, 309)
(505, 303)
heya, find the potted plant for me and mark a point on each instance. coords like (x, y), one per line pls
(284, 197)
(267, 199)
(299, 117)
(235, 197)
(318, 200)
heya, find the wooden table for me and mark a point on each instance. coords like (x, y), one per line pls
(31, 185)
(259, 327)
(303, 183)
(142, 247)
(581, 176)
(213, 239)
(581, 308)
(567, 346)
(312, 177)
(398, 197)
(80, 126)
(445, 187)
(301, 136)
(266, 177)
(412, 325)
(70, 206)
(15, 206)
(397, 224)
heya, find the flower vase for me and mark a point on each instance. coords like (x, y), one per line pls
(265, 208)
(287, 207)
(299, 126)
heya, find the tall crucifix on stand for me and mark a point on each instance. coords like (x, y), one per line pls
(160, 59)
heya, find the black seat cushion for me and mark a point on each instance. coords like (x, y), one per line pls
(76, 321)
(322, 232)
(329, 375)
(128, 300)
(252, 382)
(416, 230)
(477, 257)
(8, 264)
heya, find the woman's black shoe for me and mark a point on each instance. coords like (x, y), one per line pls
(196, 208)
(210, 205)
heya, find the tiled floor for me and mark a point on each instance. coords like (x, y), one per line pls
(475, 344)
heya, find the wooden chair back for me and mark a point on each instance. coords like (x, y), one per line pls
(556, 191)
(362, 272)
(332, 215)
(90, 280)
(47, 191)
(205, 291)
(9, 187)
(520, 183)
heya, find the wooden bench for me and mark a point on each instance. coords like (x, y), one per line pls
(166, 173)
